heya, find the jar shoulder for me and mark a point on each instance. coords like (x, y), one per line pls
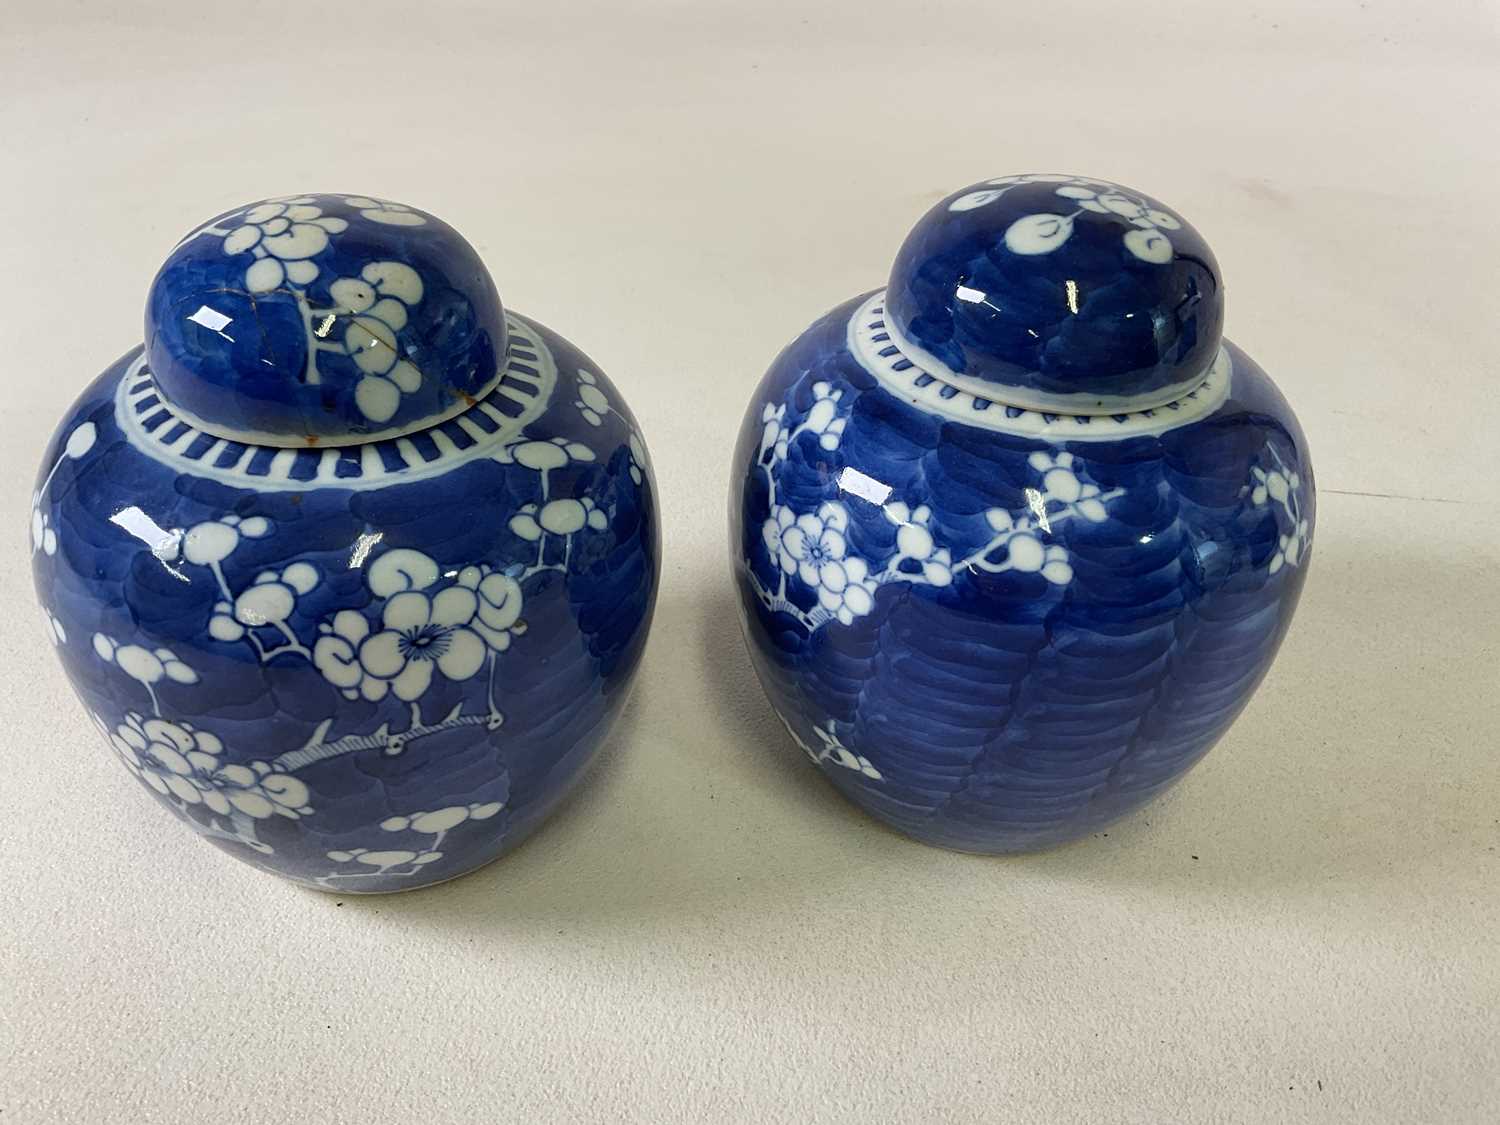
(830, 443)
(144, 530)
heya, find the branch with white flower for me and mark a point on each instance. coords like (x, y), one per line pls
(1017, 542)
(833, 750)
(776, 440)
(429, 623)
(562, 518)
(43, 535)
(591, 402)
(284, 237)
(1044, 232)
(813, 547)
(425, 629)
(542, 457)
(183, 765)
(148, 667)
(266, 604)
(54, 627)
(384, 861)
(639, 465)
(1282, 487)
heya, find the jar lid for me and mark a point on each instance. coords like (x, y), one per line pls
(323, 320)
(1058, 293)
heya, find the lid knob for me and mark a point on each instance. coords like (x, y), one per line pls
(1058, 293)
(323, 319)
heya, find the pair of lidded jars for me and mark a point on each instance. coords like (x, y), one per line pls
(352, 567)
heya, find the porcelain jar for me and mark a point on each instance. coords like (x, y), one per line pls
(1017, 536)
(351, 566)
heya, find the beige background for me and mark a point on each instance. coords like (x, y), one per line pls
(1304, 930)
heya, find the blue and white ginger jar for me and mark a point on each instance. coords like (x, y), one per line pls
(351, 566)
(1017, 537)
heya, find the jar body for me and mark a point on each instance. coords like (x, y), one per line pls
(997, 630)
(368, 668)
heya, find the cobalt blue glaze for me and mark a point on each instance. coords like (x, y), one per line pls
(998, 629)
(327, 319)
(1058, 292)
(365, 668)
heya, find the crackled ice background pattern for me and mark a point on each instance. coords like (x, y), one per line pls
(997, 629)
(365, 668)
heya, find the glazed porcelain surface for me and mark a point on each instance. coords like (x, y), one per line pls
(1017, 537)
(364, 606)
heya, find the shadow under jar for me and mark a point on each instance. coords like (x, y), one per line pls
(351, 566)
(1017, 537)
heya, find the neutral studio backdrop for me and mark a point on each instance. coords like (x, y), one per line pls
(1304, 930)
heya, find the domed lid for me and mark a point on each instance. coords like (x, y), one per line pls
(323, 320)
(1058, 293)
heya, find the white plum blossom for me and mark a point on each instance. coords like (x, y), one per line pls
(814, 549)
(211, 542)
(823, 418)
(80, 441)
(336, 654)
(1275, 485)
(1148, 243)
(524, 523)
(148, 667)
(846, 589)
(401, 568)
(638, 463)
(284, 236)
(560, 517)
(381, 211)
(54, 627)
(833, 750)
(439, 822)
(384, 859)
(179, 760)
(544, 456)
(377, 303)
(997, 187)
(1282, 487)
(1061, 485)
(451, 630)
(801, 545)
(43, 536)
(436, 823)
(1025, 550)
(269, 600)
(1044, 232)
(1290, 547)
(420, 633)
(564, 517)
(914, 542)
(774, 435)
(498, 605)
(813, 546)
(591, 402)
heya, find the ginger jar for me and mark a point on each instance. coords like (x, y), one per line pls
(1017, 536)
(351, 566)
